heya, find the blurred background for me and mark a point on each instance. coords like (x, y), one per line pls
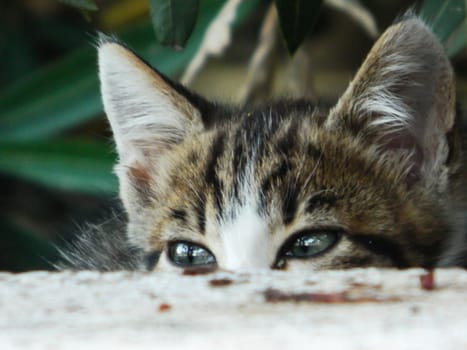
(56, 152)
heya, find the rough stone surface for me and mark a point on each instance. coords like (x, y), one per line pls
(356, 309)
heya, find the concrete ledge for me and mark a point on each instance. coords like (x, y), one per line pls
(356, 309)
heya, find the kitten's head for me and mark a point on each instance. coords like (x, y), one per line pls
(283, 185)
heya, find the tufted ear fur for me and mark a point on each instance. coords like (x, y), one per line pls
(403, 99)
(147, 115)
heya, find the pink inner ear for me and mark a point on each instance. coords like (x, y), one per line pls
(140, 174)
(140, 180)
(403, 143)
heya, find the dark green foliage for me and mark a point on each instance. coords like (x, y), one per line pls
(65, 95)
(74, 165)
(448, 20)
(173, 20)
(296, 18)
(22, 250)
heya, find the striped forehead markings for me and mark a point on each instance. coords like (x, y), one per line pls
(288, 142)
(248, 144)
(320, 199)
(200, 211)
(211, 176)
(275, 175)
(179, 214)
(239, 161)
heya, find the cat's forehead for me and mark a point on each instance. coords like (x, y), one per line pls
(252, 139)
(274, 114)
(249, 130)
(274, 162)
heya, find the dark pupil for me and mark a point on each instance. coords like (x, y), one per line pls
(184, 252)
(303, 245)
(191, 253)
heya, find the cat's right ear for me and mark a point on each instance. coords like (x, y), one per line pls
(147, 114)
(403, 100)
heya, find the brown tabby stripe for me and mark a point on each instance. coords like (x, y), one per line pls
(179, 214)
(200, 210)
(211, 176)
(320, 199)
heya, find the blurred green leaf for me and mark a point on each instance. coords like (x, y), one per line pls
(458, 40)
(66, 93)
(87, 5)
(173, 20)
(22, 250)
(296, 18)
(16, 53)
(444, 16)
(68, 165)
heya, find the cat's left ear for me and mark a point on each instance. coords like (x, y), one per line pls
(403, 99)
(148, 115)
(145, 110)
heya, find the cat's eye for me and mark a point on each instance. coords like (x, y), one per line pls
(308, 244)
(187, 254)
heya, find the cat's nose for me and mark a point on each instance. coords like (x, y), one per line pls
(242, 263)
(246, 250)
(246, 241)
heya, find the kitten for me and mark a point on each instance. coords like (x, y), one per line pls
(376, 181)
